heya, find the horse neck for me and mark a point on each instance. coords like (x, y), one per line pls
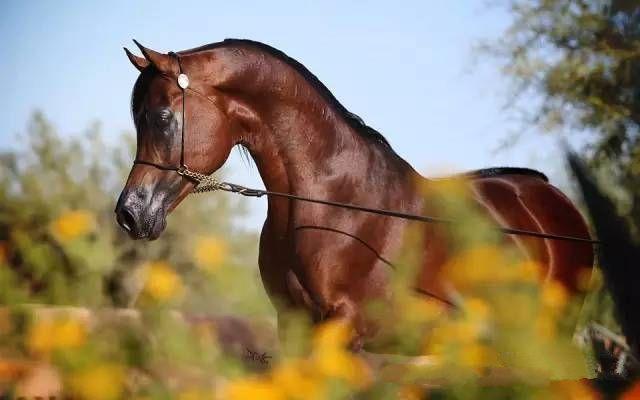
(301, 143)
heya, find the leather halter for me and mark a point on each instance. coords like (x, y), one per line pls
(182, 169)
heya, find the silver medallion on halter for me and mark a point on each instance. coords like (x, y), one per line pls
(183, 81)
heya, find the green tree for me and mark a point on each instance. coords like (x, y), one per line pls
(575, 67)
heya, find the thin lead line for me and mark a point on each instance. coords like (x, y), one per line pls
(233, 188)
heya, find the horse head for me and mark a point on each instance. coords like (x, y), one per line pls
(180, 124)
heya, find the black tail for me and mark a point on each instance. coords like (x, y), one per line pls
(619, 255)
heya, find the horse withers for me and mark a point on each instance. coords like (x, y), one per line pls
(327, 260)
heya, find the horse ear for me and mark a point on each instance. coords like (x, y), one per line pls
(138, 62)
(162, 62)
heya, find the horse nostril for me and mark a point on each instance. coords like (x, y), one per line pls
(126, 219)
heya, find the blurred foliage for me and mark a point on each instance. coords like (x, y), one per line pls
(57, 228)
(575, 67)
(510, 337)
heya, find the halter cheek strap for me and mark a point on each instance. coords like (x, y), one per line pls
(182, 169)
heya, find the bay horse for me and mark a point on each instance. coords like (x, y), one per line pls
(326, 260)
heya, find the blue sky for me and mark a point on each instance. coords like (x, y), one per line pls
(407, 68)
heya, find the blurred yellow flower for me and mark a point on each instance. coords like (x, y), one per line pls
(210, 252)
(477, 309)
(298, 380)
(458, 187)
(195, 394)
(554, 295)
(46, 336)
(477, 265)
(252, 388)
(333, 334)
(162, 282)
(98, 382)
(476, 356)
(489, 265)
(528, 271)
(73, 224)
(343, 365)
(331, 357)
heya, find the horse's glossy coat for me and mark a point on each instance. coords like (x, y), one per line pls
(327, 260)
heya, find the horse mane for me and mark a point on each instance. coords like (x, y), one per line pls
(352, 119)
(498, 171)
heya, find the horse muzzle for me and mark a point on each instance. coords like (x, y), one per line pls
(141, 214)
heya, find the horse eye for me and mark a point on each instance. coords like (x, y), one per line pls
(164, 115)
(163, 118)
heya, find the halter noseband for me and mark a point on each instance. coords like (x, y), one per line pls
(182, 169)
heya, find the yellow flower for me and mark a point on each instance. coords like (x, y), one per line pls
(72, 224)
(458, 187)
(98, 382)
(462, 331)
(477, 309)
(46, 336)
(334, 334)
(195, 394)
(331, 357)
(341, 364)
(554, 295)
(476, 356)
(528, 271)
(252, 388)
(477, 265)
(298, 380)
(162, 283)
(210, 252)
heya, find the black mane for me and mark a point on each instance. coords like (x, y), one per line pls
(354, 120)
(498, 171)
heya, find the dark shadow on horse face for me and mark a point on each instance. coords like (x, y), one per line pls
(150, 193)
